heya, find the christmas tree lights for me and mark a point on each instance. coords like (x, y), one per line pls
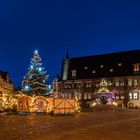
(36, 80)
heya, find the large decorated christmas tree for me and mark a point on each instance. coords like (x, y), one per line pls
(36, 80)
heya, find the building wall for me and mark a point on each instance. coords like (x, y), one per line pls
(6, 87)
(57, 88)
(85, 89)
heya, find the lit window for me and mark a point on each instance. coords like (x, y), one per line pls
(86, 68)
(122, 84)
(85, 96)
(74, 73)
(122, 97)
(135, 96)
(135, 82)
(130, 82)
(111, 70)
(68, 86)
(130, 96)
(89, 96)
(119, 64)
(136, 67)
(101, 66)
(77, 85)
(109, 83)
(88, 85)
(117, 97)
(117, 83)
(93, 71)
(80, 96)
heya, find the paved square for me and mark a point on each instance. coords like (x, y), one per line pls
(98, 124)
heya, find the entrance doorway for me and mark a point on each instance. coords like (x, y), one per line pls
(103, 94)
(103, 100)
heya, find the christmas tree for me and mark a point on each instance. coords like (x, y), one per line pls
(36, 80)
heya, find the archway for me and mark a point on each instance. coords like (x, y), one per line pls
(103, 94)
(103, 100)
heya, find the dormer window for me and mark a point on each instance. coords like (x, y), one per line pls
(136, 67)
(86, 68)
(111, 70)
(93, 71)
(119, 64)
(74, 73)
(101, 66)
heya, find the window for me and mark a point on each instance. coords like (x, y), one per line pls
(117, 97)
(119, 64)
(136, 67)
(110, 83)
(80, 96)
(74, 73)
(76, 95)
(130, 82)
(122, 84)
(86, 68)
(93, 71)
(85, 96)
(77, 85)
(101, 66)
(111, 70)
(135, 82)
(117, 83)
(89, 96)
(88, 85)
(120, 96)
(68, 86)
(134, 96)
(130, 95)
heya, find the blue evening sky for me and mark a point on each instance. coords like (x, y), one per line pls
(86, 27)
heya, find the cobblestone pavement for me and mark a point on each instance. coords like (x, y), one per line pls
(96, 124)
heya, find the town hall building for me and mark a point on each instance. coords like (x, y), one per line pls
(101, 79)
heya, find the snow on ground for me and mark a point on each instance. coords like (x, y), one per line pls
(101, 123)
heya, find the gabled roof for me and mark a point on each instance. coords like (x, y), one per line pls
(104, 65)
(4, 76)
(57, 78)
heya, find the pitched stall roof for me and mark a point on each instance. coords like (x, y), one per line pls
(105, 65)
